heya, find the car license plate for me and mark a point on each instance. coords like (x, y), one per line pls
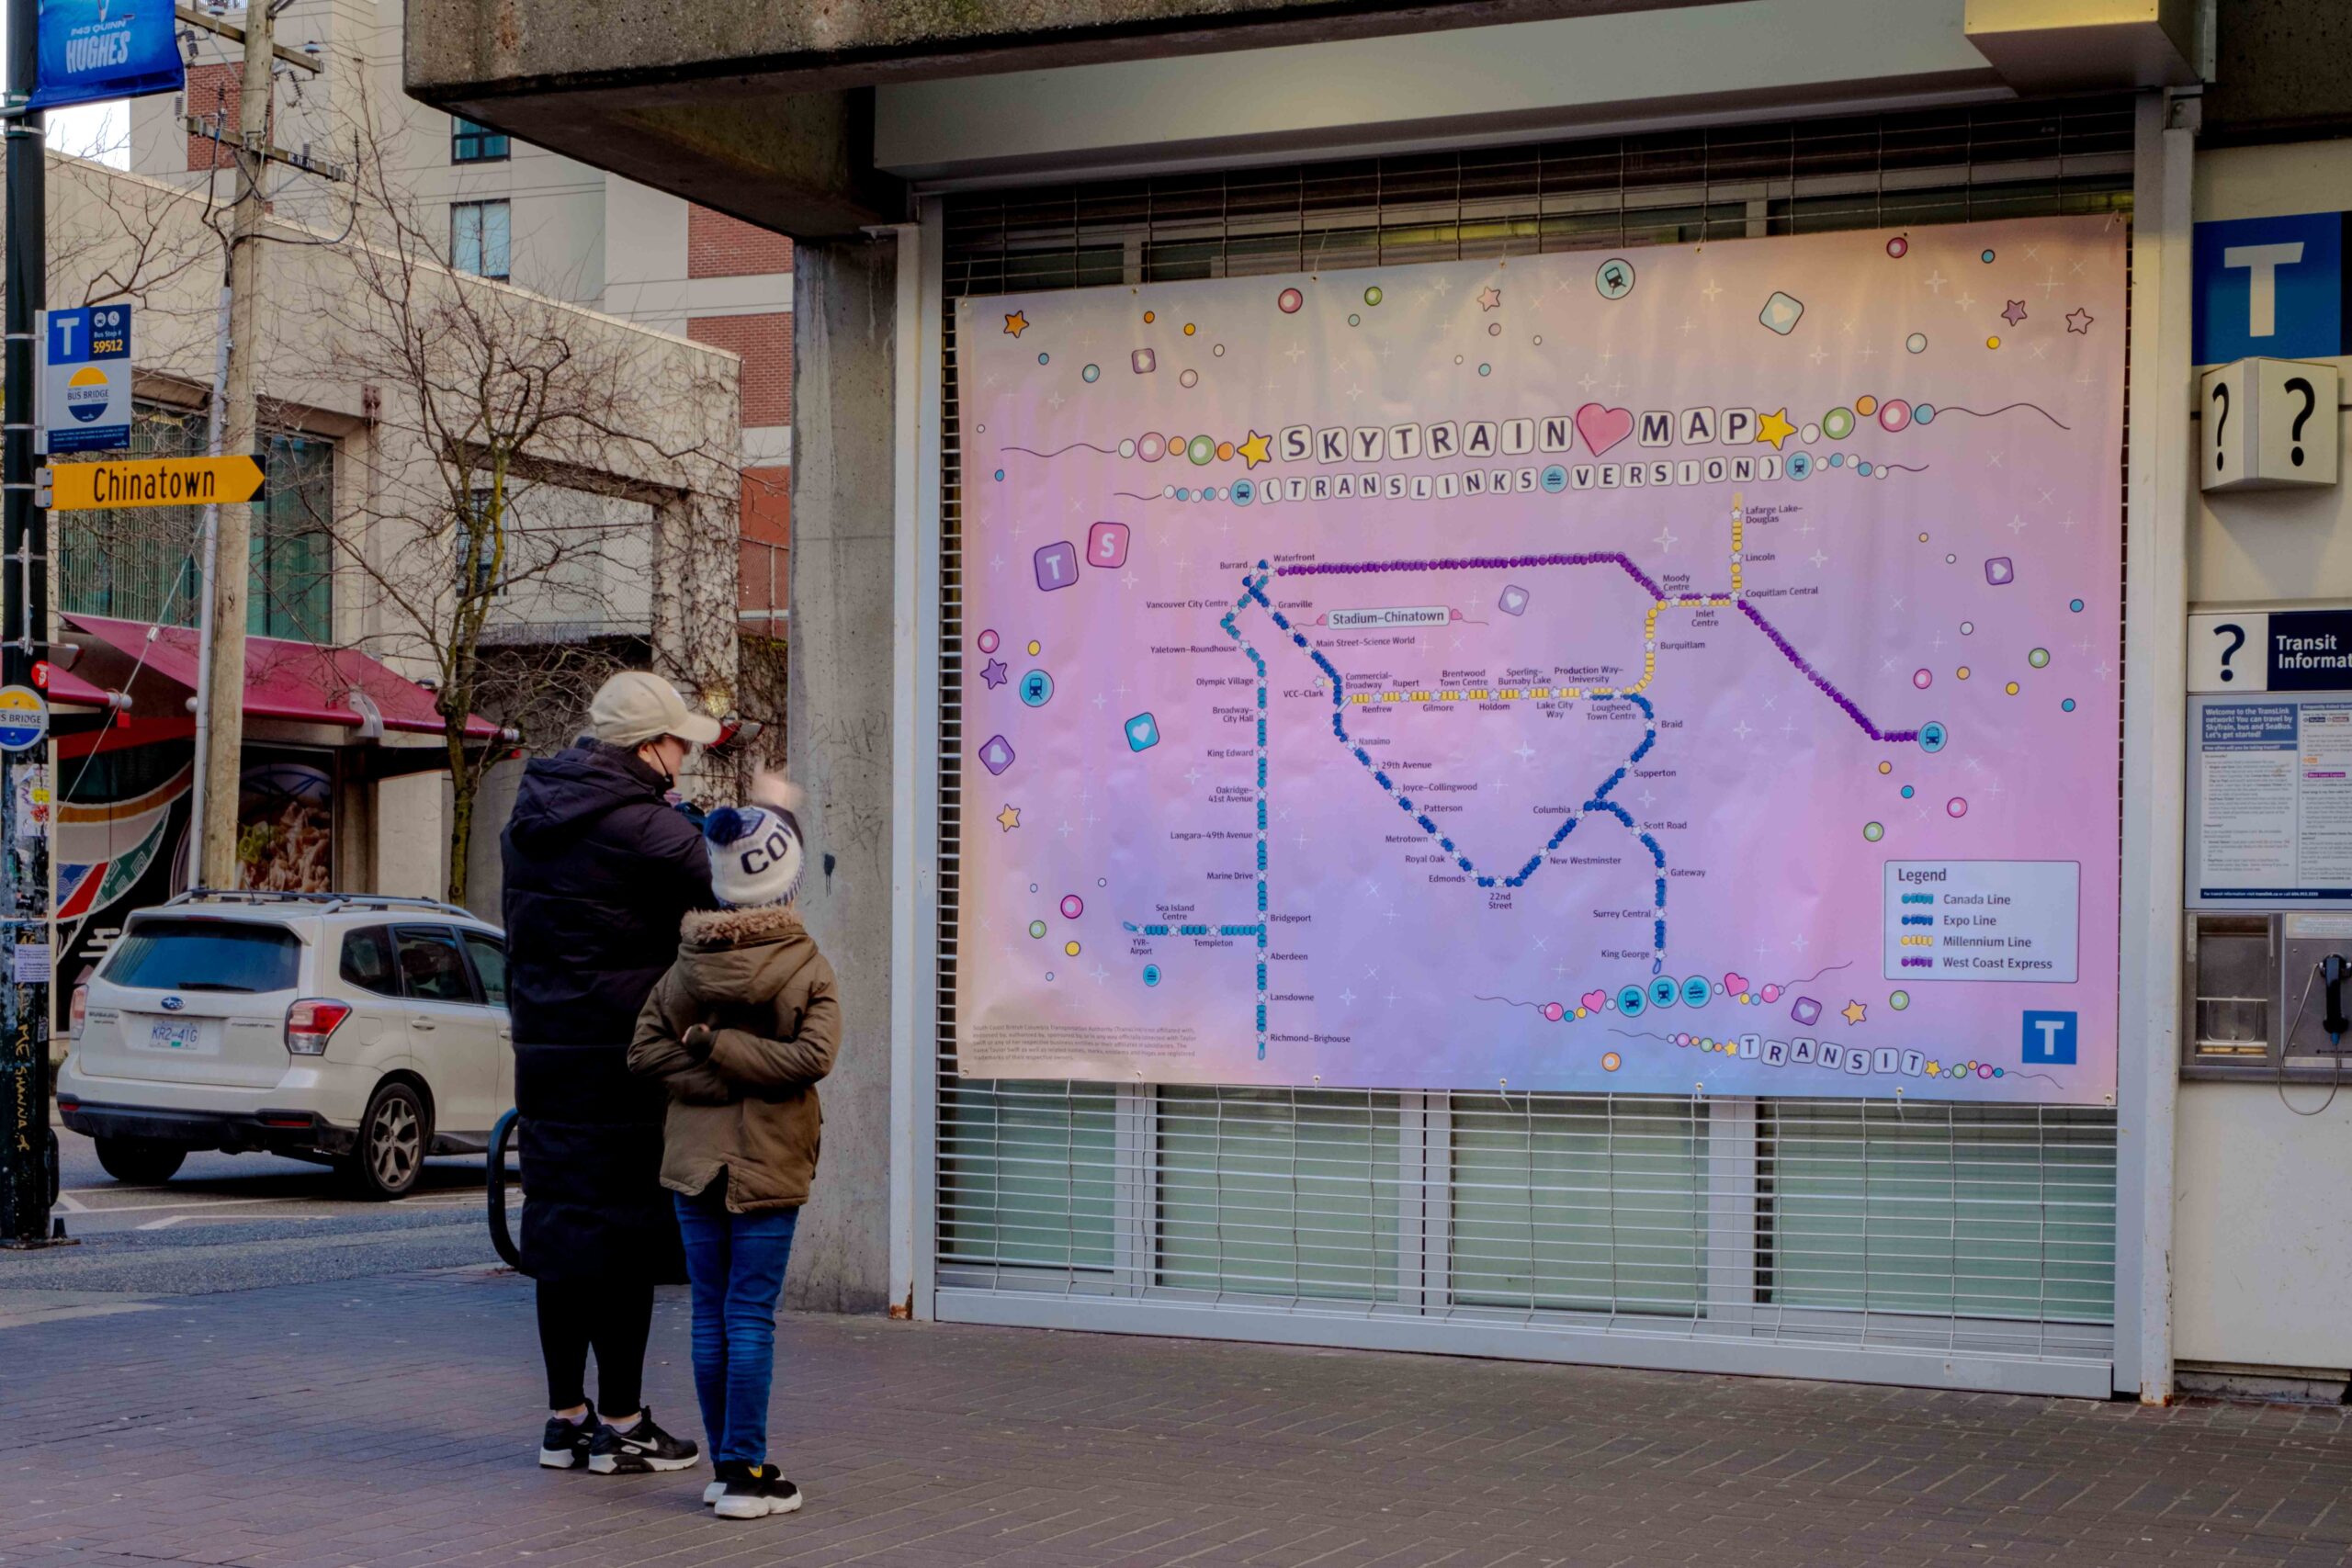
(185, 1035)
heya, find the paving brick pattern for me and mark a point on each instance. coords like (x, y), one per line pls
(394, 1421)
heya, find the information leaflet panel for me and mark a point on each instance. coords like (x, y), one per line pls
(1568, 672)
(2270, 801)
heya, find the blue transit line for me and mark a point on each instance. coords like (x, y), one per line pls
(1600, 801)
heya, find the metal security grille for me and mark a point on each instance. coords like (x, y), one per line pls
(1835, 1237)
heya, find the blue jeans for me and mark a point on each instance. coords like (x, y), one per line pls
(736, 1262)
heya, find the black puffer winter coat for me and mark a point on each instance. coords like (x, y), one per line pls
(599, 872)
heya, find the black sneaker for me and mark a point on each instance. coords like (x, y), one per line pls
(565, 1444)
(642, 1448)
(723, 1471)
(755, 1492)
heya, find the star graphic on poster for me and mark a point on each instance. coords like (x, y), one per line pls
(1489, 298)
(2079, 321)
(2014, 313)
(1854, 1012)
(1016, 323)
(1775, 427)
(993, 673)
(1010, 817)
(1253, 452)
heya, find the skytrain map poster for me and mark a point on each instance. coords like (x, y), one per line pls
(1684, 669)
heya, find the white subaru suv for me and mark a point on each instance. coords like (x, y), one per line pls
(351, 1028)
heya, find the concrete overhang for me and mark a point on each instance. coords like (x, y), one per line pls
(765, 110)
(811, 118)
(2044, 46)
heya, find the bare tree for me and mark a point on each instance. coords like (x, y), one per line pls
(548, 494)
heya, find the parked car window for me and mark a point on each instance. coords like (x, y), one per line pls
(205, 955)
(489, 965)
(368, 960)
(432, 968)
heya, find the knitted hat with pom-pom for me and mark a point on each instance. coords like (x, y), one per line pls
(755, 854)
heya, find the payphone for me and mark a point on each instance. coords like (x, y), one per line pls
(2269, 844)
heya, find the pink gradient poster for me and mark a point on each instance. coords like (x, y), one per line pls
(1684, 669)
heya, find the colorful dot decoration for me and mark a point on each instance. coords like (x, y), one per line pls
(1372, 295)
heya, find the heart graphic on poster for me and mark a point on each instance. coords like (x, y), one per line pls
(1603, 427)
(1734, 983)
(1594, 1000)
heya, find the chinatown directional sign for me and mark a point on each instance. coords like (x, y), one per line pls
(151, 481)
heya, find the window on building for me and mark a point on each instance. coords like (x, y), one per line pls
(140, 564)
(476, 551)
(471, 143)
(293, 548)
(478, 237)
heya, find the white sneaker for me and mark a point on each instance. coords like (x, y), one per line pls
(755, 1495)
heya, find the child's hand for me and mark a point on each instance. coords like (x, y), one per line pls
(697, 1040)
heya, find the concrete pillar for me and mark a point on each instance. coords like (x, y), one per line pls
(838, 732)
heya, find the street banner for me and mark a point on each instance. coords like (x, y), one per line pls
(95, 50)
(1687, 669)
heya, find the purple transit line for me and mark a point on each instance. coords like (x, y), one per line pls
(1468, 563)
(1610, 557)
(1818, 679)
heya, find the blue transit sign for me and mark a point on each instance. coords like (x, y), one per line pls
(83, 390)
(92, 49)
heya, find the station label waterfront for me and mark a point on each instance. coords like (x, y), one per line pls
(1982, 920)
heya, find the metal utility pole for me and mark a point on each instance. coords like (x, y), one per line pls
(28, 1147)
(221, 765)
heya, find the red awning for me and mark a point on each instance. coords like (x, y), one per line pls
(302, 682)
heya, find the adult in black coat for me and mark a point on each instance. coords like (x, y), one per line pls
(600, 869)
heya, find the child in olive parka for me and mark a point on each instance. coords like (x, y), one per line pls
(740, 1029)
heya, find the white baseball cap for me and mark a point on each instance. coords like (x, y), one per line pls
(635, 707)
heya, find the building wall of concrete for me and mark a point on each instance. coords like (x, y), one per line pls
(839, 723)
(2262, 1261)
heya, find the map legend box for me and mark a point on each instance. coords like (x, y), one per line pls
(2012, 920)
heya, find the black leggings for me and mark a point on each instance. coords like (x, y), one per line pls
(615, 1317)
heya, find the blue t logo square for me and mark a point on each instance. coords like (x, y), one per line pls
(2050, 1039)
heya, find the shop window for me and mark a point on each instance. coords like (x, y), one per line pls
(479, 236)
(471, 143)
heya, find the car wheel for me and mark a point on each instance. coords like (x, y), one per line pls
(388, 1154)
(141, 1162)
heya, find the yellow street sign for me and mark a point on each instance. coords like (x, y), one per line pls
(152, 481)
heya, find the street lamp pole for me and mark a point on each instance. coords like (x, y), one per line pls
(28, 1147)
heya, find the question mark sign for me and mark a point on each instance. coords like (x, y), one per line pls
(2311, 402)
(2236, 634)
(2220, 396)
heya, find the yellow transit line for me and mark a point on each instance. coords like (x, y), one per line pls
(1555, 694)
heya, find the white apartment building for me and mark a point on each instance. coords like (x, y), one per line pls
(511, 210)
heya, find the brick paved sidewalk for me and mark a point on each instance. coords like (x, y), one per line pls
(394, 1421)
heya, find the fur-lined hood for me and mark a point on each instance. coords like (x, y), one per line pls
(742, 957)
(707, 929)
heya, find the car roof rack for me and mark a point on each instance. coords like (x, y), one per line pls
(325, 903)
